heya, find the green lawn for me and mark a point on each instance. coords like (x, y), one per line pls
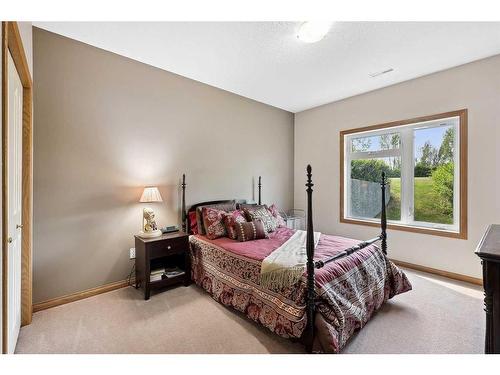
(425, 198)
(394, 206)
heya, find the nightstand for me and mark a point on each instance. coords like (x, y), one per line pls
(167, 251)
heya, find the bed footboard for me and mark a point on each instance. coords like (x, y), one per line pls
(308, 336)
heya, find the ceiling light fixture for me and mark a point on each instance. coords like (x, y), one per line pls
(313, 31)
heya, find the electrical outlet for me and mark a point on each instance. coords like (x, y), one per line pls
(132, 253)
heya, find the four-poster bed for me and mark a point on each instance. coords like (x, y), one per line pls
(342, 286)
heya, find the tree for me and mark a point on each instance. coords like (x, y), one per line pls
(430, 155)
(442, 179)
(446, 149)
(422, 170)
(391, 141)
(361, 144)
(385, 142)
(395, 140)
(371, 170)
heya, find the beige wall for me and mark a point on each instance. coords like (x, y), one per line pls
(105, 126)
(475, 86)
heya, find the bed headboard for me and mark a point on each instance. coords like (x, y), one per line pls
(208, 203)
(185, 213)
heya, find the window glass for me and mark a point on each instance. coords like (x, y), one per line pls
(422, 161)
(365, 192)
(388, 141)
(434, 174)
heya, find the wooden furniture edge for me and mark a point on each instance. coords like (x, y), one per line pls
(463, 157)
(435, 271)
(73, 297)
(260, 188)
(489, 252)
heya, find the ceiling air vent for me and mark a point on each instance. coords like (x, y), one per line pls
(376, 74)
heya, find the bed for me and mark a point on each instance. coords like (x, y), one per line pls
(343, 284)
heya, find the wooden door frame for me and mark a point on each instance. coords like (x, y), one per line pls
(11, 42)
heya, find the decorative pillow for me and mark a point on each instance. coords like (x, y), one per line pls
(230, 220)
(199, 220)
(193, 224)
(213, 220)
(273, 209)
(226, 207)
(250, 207)
(248, 231)
(263, 214)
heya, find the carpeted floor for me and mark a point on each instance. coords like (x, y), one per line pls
(438, 316)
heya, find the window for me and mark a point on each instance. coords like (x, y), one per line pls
(425, 160)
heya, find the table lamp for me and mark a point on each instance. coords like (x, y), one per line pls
(149, 227)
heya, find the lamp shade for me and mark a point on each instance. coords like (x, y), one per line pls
(151, 194)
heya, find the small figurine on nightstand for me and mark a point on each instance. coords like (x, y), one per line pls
(149, 227)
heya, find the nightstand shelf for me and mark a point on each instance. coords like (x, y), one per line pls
(169, 250)
(168, 281)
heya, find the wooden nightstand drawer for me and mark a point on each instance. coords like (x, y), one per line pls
(174, 246)
(169, 251)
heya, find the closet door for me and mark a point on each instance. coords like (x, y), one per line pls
(14, 205)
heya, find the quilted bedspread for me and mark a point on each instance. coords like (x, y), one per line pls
(348, 291)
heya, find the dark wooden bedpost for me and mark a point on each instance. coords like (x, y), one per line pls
(183, 207)
(310, 265)
(383, 217)
(260, 187)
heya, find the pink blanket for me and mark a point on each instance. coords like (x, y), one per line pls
(258, 249)
(349, 290)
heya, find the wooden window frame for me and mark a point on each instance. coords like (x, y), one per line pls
(12, 42)
(462, 186)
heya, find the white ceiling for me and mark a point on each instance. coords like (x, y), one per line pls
(265, 61)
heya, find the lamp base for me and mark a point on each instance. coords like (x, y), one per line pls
(155, 233)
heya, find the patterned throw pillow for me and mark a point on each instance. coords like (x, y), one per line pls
(226, 207)
(193, 224)
(230, 220)
(213, 221)
(246, 208)
(273, 209)
(249, 231)
(263, 214)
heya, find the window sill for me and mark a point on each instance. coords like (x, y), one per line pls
(462, 234)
